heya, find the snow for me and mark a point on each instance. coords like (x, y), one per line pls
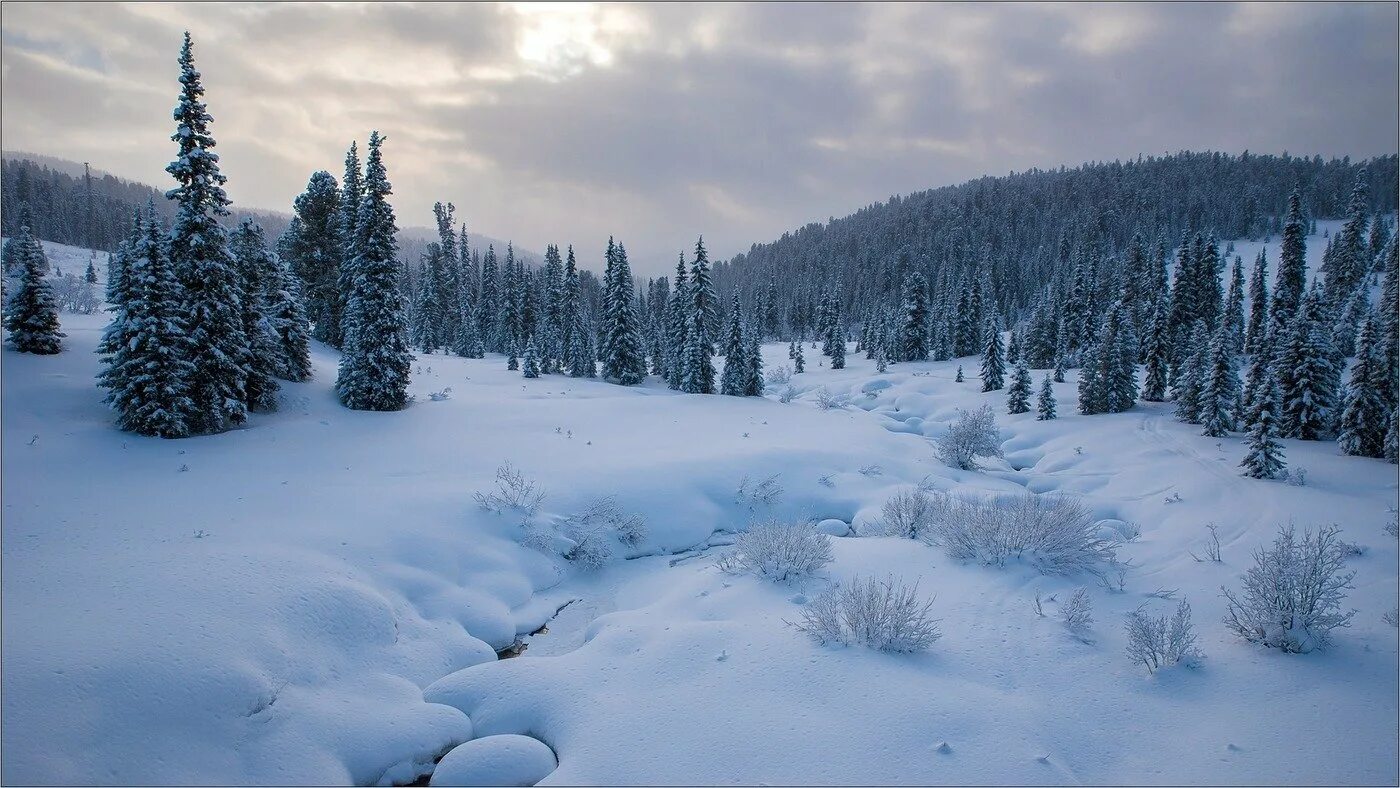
(508, 759)
(317, 598)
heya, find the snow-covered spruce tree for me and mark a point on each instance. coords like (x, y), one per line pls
(1117, 360)
(1059, 370)
(120, 287)
(313, 248)
(699, 372)
(449, 286)
(31, 315)
(1220, 391)
(1045, 405)
(552, 349)
(209, 277)
(257, 271)
(1390, 325)
(1308, 374)
(1257, 326)
(799, 364)
(1157, 356)
(1392, 438)
(735, 374)
(1292, 596)
(290, 325)
(913, 334)
(624, 359)
(753, 355)
(509, 318)
(836, 337)
(958, 378)
(1363, 424)
(1092, 387)
(352, 194)
(530, 363)
(488, 304)
(993, 363)
(1190, 380)
(147, 373)
(90, 275)
(1018, 397)
(1264, 459)
(677, 323)
(1292, 276)
(1234, 307)
(423, 332)
(375, 367)
(1349, 263)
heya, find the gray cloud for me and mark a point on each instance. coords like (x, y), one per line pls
(657, 123)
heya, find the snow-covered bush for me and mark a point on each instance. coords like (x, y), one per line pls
(1292, 596)
(1056, 533)
(587, 538)
(974, 434)
(74, 294)
(778, 550)
(827, 401)
(1078, 611)
(787, 394)
(1159, 642)
(777, 376)
(513, 491)
(884, 615)
(907, 514)
(1298, 477)
(763, 493)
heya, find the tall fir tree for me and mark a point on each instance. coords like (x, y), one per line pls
(993, 360)
(488, 312)
(1264, 459)
(677, 324)
(31, 314)
(314, 249)
(913, 333)
(1220, 391)
(199, 252)
(1234, 307)
(257, 271)
(552, 349)
(1258, 305)
(1292, 276)
(291, 327)
(530, 363)
(1190, 379)
(699, 372)
(753, 357)
(352, 193)
(735, 374)
(1364, 421)
(624, 358)
(1158, 355)
(1018, 396)
(1307, 373)
(375, 367)
(148, 370)
(1045, 404)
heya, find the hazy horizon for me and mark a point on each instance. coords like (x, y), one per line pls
(656, 124)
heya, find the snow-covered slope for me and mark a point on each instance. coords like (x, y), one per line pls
(269, 605)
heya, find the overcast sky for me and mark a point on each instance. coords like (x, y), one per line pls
(659, 123)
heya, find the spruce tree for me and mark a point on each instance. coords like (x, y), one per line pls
(148, 372)
(513, 357)
(90, 275)
(1190, 378)
(624, 359)
(734, 377)
(199, 252)
(799, 364)
(677, 323)
(1361, 431)
(1258, 306)
(530, 364)
(1059, 370)
(958, 378)
(1158, 355)
(1018, 396)
(913, 335)
(314, 249)
(375, 367)
(1234, 307)
(1264, 460)
(290, 325)
(1389, 326)
(489, 306)
(1308, 373)
(423, 332)
(1291, 279)
(1092, 388)
(1392, 438)
(753, 357)
(699, 372)
(1045, 405)
(838, 347)
(257, 271)
(31, 314)
(993, 362)
(881, 359)
(1220, 391)
(553, 349)
(352, 194)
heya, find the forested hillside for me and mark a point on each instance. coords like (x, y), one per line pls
(1022, 229)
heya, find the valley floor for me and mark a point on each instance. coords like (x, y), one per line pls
(317, 598)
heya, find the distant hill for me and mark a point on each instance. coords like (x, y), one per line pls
(57, 193)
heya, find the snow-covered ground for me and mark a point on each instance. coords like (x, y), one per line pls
(317, 598)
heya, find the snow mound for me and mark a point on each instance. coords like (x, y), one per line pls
(507, 759)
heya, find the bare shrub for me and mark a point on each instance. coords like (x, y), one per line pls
(606, 515)
(907, 514)
(1158, 642)
(974, 434)
(764, 493)
(786, 395)
(1056, 533)
(74, 294)
(1078, 611)
(777, 376)
(1292, 596)
(884, 615)
(513, 491)
(779, 551)
(827, 401)
(1212, 545)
